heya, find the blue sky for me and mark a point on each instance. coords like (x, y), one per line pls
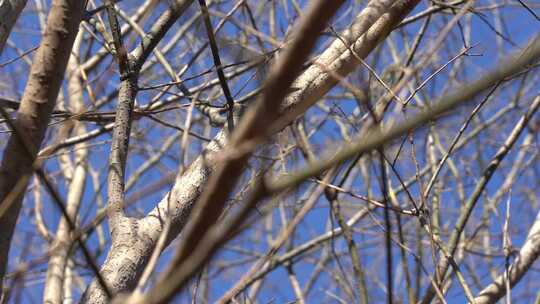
(520, 27)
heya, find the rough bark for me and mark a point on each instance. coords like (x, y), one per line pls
(131, 245)
(46, 76)
(127, 257)
(132, 248)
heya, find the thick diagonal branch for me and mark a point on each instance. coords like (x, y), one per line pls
(371, 27)
(528, 254)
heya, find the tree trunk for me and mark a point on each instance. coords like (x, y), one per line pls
(45, 80)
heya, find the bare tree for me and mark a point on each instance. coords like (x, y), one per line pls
(250, 151)
(9, 12)
(33, 115)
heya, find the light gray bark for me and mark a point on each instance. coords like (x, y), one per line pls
(528, 254)
(130, 253)
(60, 253)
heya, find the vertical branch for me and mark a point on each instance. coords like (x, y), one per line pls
(120, 50)
(130, 250)
(58, 261)
(122, 125)
(353, 248)
(507, 245)
(218, 65)
(45, 79)
(387, 227)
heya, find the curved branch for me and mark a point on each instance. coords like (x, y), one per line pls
(527, 256)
